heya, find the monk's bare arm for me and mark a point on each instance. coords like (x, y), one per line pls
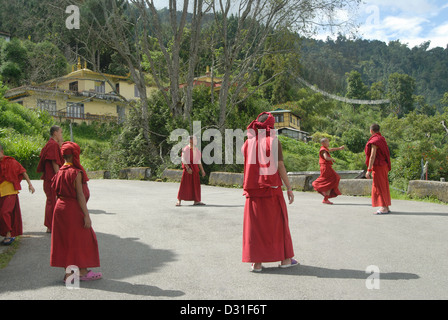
(27, 178)
(327, 156)
(55, 166)
(336, 149)
(82, 200)
(284, 177)
(202, 169)
(371, 160)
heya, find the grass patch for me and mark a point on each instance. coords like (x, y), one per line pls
(398, 195)
(7, 254)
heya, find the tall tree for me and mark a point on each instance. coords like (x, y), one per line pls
(400, 92)
(243, 28)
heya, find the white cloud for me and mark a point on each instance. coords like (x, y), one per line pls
(412, 22)
(419, 7)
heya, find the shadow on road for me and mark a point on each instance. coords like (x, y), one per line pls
(120, 258)
(319, 272)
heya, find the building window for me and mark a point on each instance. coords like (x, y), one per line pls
(73, 86)
(117, 88)
(75, 110)
(47, 105)
(100, 86)
(278, 118)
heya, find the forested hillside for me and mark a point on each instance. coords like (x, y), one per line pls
(326, 64)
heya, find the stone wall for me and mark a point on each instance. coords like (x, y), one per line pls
(300, 181)
(142, 173)
(229, 179)
(423, 189)
(172, 175)
(355, 187)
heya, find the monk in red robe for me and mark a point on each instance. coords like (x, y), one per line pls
(328, 182)
(49, 164)
(378, 164)
(73, 241)
(190, 184)
(266, 235)
(11, 174)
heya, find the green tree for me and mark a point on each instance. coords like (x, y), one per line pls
(356, 89)
(401, 93)
(14, 62)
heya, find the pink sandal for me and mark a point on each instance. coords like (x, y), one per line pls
(90, 276)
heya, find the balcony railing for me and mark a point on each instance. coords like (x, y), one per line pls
(83, 116)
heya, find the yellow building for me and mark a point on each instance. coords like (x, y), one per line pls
(287, 123)
(80, 96)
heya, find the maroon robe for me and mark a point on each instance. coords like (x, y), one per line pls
(328, 179)
(190, 184)
(266, 235)
(51, 152)
(381, 167)
(10, 214)
(71, 243)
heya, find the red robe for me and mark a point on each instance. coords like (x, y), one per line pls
(71, 243)
(266, 234)
(328, 179)
(381, 168)
(190, 184)
(51, 152)
(10, 214)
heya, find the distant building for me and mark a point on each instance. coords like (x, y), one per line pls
(81, 96)
(206, 80)
(5, 35)
(287, 123)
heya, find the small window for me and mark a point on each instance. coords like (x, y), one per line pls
(73, 86)
(100, 86)
(75, 110)
(47, 105)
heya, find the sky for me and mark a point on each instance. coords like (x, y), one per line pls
(413, 22)
(410, 21)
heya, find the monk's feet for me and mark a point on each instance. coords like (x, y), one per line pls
(289, 263)
(256, 267)
(326, 201)
(382, 211)
(178, 203)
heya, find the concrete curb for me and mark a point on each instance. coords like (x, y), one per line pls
(423, 189)
(172, 175)
(226, 179)
(300, 181)
(142, 173)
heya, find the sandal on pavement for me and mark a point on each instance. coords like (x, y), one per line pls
(256, 270)
(380, 212)
(294, 262)
(8, 241)
(199, 204)
(90, 276)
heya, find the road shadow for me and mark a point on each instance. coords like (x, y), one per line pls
(435, 214)
(100, 212)
(207, 205)
(120, 258)
(319, 272)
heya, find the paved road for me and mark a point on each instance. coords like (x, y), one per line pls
(150, 249)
